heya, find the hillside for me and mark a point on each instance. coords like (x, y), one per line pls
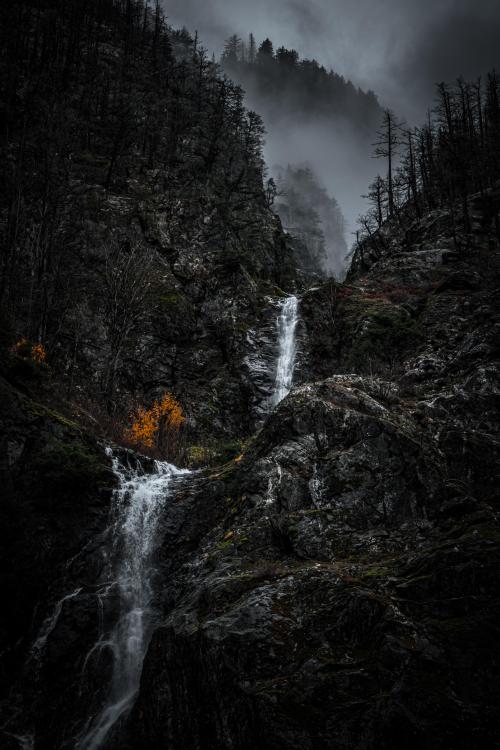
(313, 220)
(138, 245)
(314, 117)
(285, 84)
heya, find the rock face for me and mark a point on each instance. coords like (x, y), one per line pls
(334, 601)
(339, 585)
(56, 486)
(335, 585)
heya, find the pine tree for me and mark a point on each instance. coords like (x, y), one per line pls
(386, 147)
(252, 49)
(266, 52)
(232, 50)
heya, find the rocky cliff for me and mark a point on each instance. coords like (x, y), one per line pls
(338, 582)
(339, 585)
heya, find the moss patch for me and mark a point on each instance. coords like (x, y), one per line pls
(69, 467)
(39, 410)
(378, 331)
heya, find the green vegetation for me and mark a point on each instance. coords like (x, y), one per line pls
(39, 410)
(173, 299)
(214, 454)
(376, 571)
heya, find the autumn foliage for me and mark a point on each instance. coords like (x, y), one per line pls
(157, 428)
(27, 350)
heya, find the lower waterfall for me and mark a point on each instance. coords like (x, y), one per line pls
(287, 320)
(138, 504)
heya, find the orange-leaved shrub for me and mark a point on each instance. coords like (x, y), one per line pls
(157, 429)
(27, 350)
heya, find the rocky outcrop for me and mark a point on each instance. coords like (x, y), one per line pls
(349, 595)
(333, 601)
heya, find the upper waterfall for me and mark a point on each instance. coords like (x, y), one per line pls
(286, 322)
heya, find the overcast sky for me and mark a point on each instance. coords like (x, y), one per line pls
(398, 48)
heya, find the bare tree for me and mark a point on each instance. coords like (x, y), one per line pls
(128, 280)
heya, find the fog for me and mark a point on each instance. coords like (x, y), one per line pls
(398, 48)
(340, 159)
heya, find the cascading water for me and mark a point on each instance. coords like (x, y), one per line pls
(138, 504)
(287, 320)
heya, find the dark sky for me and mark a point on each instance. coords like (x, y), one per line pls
(398, 48)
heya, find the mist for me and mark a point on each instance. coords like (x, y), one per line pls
(396, 48)
(336, 155)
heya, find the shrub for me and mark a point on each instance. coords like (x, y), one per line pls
(25, 349)
(157, 429)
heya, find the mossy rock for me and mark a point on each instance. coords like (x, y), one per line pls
(379, 331)
(375, 571)
(69, 468)
(175, 303)
(39, 410)
(173, 299)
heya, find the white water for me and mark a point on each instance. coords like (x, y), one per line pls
(138, 504)
(50, 623)
(286, 322)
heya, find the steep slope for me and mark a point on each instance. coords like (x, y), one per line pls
(350, 594)
(139, 248)
(337, 583)
(286, 85)
(313, 219)
(313, 116)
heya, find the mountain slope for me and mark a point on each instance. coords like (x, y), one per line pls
(134, 219)
(334, 582)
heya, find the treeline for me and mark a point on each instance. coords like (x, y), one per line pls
(100, 99)
(456, 154)
(280, 79)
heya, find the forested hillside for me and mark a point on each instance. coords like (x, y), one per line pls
(282, 81)
(437, 167)
(314, 117)
(132, 197)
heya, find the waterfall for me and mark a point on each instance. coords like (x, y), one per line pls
(286, 322)
(138, 504)
(50, 623)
